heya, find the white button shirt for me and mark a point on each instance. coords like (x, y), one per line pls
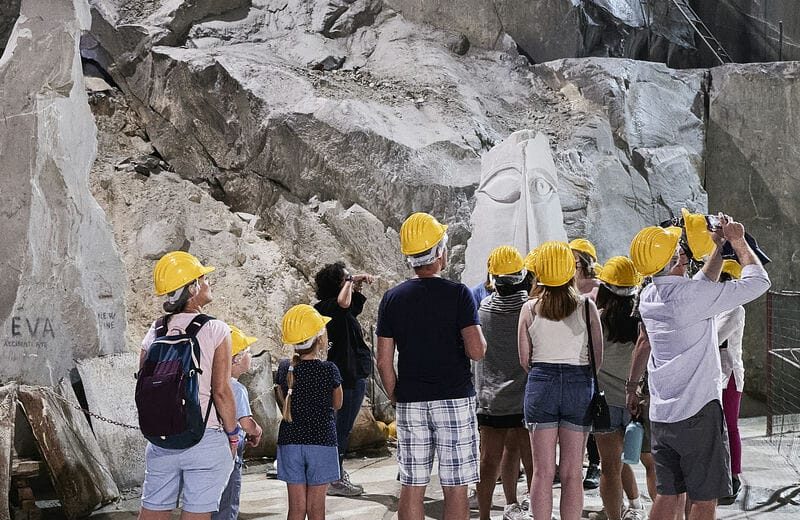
(730, 328)
(679, 315)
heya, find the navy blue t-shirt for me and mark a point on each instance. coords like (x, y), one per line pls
(425, 316)
(313, 417)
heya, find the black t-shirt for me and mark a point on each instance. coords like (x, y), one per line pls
(425, 316)
(348, 349)
(313, 418)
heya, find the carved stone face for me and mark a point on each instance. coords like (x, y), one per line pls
(516, 203)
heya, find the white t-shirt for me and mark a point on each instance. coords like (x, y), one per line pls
(211, 335)
(730, 328)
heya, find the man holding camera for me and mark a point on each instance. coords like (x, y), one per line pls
(688, 439)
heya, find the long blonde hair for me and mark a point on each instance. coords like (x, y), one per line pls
(556, 303)
(291, 379)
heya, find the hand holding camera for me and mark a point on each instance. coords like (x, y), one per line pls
(715, 223)
(732, 230)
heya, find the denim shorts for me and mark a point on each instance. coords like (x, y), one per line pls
(620, 417)
(201, 470)
(308, 464)
(447, 428)
(558, 396)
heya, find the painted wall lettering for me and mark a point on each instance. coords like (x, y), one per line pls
(106, 319)
(34, 327)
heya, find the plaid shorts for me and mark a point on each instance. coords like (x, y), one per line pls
(447, 428)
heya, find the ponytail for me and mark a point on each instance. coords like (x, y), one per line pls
(178, 299)
(287, 401)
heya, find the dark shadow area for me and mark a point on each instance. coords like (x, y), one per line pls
(783, 500)
(9, 12)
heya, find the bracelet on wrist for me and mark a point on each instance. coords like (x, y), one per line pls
(235, 432)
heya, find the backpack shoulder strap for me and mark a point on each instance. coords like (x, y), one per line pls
(161, 325)
(197, 323)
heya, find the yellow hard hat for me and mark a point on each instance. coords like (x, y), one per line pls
(620, 271)
(302, 323)
(732, 267)
(530, 260)
(419, 233)
(584, 246)
(554, 264)
(240, 340)
(697, 234)
(176, 269)
(391, 430)
(653, 247)
(505, 260)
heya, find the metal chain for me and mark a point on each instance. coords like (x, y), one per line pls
(84, 410)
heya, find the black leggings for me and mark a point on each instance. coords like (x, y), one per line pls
(591, 450)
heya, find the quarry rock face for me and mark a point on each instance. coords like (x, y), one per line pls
(751, 173)
(400, 128)
(546, 30)
(62, 295)
(750, 30)
(636, 157)
(9, 11)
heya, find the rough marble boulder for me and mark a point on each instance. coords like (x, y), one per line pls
(62, 292)
(516, 202)
(751, 173)
(636, 157)
(265, 410)
(75, 464)
(109, 385)
(8, 410)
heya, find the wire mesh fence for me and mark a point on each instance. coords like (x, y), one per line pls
(783, 373)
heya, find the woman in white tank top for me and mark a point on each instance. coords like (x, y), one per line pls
(553, 338)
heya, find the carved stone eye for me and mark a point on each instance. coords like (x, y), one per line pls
(503, 185)
(542, 189)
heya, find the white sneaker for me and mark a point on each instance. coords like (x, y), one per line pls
(473, 498)
(634, 514)
(526, 502)
(514, 512)
(344, 488)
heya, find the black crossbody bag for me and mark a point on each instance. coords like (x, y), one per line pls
(598, 408)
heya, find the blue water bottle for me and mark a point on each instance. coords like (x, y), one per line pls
(632, 443)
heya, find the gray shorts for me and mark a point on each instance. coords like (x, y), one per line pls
(620, 417)
(198, 475)
(692, 455)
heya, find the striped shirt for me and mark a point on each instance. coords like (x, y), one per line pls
(499, 378)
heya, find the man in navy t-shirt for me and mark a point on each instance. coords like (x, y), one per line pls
(433, 324)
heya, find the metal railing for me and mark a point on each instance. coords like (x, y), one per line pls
(783, 373)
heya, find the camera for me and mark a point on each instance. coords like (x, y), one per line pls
(714, 222)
